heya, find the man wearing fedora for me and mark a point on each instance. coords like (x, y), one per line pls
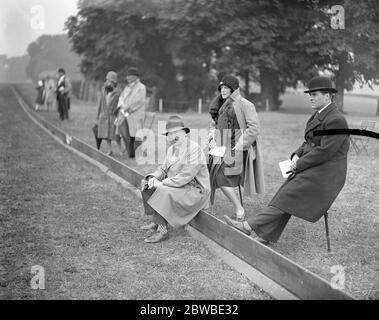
(318, 169)
(107, 111)
(131, 111)
(179, 188)
(63, 94)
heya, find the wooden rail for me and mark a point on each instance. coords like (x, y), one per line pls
(298, 280)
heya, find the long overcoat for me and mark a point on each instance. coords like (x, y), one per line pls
(106, 114)
(50, 91)
(321, 169)
(185, 189)
(249, 137)
(133, 101)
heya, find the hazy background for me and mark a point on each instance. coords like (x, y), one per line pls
(16, 30)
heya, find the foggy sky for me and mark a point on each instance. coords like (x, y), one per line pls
(19, 25)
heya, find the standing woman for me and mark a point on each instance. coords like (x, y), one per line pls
(107, 111)
(235, 125)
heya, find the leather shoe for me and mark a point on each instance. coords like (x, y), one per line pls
(237, 224)
(157, 237)
(149, 226)
(261, 240)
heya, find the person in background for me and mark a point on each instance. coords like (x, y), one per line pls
(131, 115)
(235, 125)
(50, 93)
(179, 188)
(107, 111)
(40, 94)
(318, 169)
(63, 94)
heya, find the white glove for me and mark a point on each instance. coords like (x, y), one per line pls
(293, 162)
(211, 143)
(154, 183)
(157, 183)
(238, 146)
(150, 182)
(125, 113)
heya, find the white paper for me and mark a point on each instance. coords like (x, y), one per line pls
(217, 151)
(285, 166)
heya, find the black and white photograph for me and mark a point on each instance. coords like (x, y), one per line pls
(189, 157)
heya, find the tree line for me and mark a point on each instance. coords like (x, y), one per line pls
(181, 46)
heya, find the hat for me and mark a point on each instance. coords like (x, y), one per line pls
(112, 76)
(230, 81)
(61, 70)
(132, 72)
(320, 83)
(175, 123)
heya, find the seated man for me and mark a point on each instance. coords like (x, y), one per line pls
(318, 168)
(179, 188)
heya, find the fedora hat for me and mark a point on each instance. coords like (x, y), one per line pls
(175, 123)
(320, 83)
(132, 71)
(112, 76)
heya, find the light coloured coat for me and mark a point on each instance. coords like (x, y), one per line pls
(133, 101)
(249, 137)
(185, 189)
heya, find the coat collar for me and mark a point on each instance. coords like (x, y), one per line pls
(236, 95)
(317, 118)
(327, 110)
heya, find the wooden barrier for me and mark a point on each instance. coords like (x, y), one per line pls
(288, 274)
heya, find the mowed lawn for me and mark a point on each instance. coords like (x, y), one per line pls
(353, 219)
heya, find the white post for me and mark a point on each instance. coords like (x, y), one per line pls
(199, 105)
(266, 105)
(160, 105)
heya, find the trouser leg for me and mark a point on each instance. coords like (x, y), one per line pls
(124, 131)
(270, 223)
(157, 218)
(60, 108)
(65, 107)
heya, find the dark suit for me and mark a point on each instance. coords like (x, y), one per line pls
(63, 97)
(320, 176)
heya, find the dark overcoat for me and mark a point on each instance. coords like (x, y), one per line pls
(321, 169)
(106, 114)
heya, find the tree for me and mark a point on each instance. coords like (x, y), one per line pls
(349, 53)
(50, 53)
(115, 35)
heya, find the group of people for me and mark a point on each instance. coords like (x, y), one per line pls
(121, 113)
(53, 92)
(187, 179)
(182, 184)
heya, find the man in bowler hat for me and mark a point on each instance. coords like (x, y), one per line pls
(318, 169)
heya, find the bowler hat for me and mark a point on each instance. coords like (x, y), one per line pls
(61, 70)
(320, 83)
(175, 123)
(112, 76)
(230, 81)
(132, 71)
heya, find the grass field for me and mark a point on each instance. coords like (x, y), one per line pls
(353, 216)
(62, 213)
